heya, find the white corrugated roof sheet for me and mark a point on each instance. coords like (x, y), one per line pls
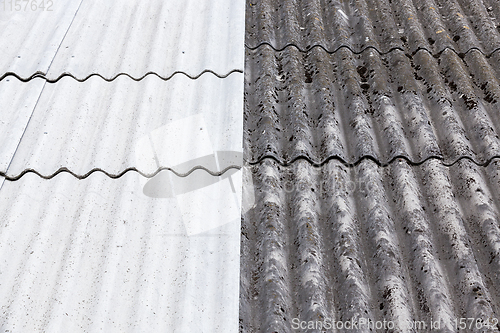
(29, 39)
(17, 101)
(103, 107)
(123, 124)
(99, 254)
(108, 38)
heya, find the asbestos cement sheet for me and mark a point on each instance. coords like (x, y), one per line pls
(398, 244)
(409, 25)
(146, 126)
(17, 102)
(31, 32)
(348, 106)
(163, 37)
(120, 255)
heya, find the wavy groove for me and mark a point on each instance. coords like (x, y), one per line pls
(118, 175)
(260, 160)
(373, 159)
(307, 50)
(42, 76)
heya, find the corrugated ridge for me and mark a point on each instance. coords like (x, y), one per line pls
(403, 242)
(118, 175)
(368, 48)
(319, 105)
(164, 78)
(238, 167)
(371, 158)
(406, 24)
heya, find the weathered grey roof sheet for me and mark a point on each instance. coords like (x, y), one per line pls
(319, 105)
(398, 243)
(371, 141)
(17, 101)
(29, 39)
(97, 99)
(384, 25)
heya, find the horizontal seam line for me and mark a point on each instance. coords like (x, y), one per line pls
(118, 175)
(460, 54)
(373, 159)
(42, 76)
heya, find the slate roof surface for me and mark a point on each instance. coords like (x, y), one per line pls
(371, 141)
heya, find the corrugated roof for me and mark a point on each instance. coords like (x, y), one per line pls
(408, 25)
(124, 37)
(371, 138)
(17, 101)
(94, 96)
(29, 39)
(395, 243)
(345, 105)
(124, 124)
(370, 191)
(100, 254)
